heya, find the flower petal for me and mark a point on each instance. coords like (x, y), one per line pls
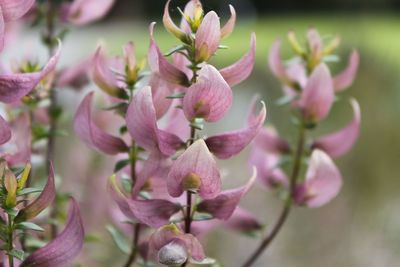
(209, 98)
(275, 61)
(223, 206)
(15, 86)
(5, 131)
(171, 26)
(344, 79)
(64, 247)
(241, 70)
(229, 26)
(323, 181)
(208, 37)
(91, 134)
(160, 65)
(231, 143)
(141, 121)
(15, 9)
(267, 164)
(317, 97)
(76, 76)
(269, 140)
(102, 75)
(243, 221)
(86, 11)
(196, 160)
(339, 143)
(44, 200)
(160, 90)
(191, 10)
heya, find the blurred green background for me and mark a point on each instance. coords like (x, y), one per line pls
(361, 227)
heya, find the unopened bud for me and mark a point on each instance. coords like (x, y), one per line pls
(191, 182)
(10, 183)
(172, 254)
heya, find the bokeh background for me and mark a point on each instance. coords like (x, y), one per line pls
(361, 227)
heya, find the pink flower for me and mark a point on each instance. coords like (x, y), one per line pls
(141, 121)
(91, 134)
(318, 95)
(170, 246)
(225, 203)
(322, 184)
(14, 86)
(195, 170)
(75, 76)
(339, 143)
(231, 143)
(64, 247)
(241, 70)
(209, 98)
(208, 37)
(82, 12)
(5, 131)
(344, 79)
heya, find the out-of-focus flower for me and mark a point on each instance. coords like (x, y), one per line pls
(81, 12)
(141, 121)
(91, 134)
(231, 143)
(225, 203)
(12, 10)
(75, 76)
(339, 143)
(14, 86)
(322, 184)
(318, 95)
(5, 131)
(65, 247)
(344, 79)
(209, 98)
(164, 242)
(195, 170)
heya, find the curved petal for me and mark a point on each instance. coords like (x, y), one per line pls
(5, 131)
(64, 247)
(141, 121)
(198, 161)
(317, 97)
(86, 11)
(209, 98)
(171, 26)
(91, 134)
(160, 90)
(223, 206)
(103, 77)
(229, 144)
(228, 28)
(323, 181)
(15, 9)
(242, 69)
(339, 143)
(15, 86)
(208, 37)
(275, 61)
(44, 200)
(344, 79)
(159, 64)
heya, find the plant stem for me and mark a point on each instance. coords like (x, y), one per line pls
(288, 203)
(136, 228)
(10, 241)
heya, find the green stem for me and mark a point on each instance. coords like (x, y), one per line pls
(10, 241)
(298, 157)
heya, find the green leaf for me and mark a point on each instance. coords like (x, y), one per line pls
(285, 100)
(121, 164)
(29, 226)
(34, 243)
(28, 190)
(127, 184)
(119, 240)
(174, 50)
(202, 217)
(16, 253)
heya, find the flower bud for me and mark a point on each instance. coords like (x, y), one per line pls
(10, 183)
(294, 43)
(191, 182)
(24, 177)
(172, 254)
